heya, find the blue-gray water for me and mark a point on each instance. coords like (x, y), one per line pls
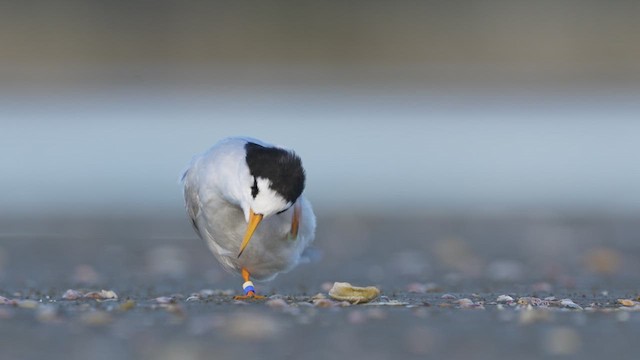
(384, 151)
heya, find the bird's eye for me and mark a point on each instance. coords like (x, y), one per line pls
(254, 188)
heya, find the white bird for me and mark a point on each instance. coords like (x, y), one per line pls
(243, 190)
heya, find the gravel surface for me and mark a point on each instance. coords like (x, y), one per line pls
(452, 286)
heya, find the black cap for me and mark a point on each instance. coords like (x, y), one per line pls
(282, 167)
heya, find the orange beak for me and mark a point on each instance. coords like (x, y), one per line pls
(254, 221)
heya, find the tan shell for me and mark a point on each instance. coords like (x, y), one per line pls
(343, 291)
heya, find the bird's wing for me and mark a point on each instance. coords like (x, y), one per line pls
(191, 200)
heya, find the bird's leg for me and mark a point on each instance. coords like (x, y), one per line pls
(249, 290)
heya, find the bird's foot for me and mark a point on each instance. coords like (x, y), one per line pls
(249, 290)
(251, 295)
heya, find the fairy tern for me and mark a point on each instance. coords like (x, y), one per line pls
(244, 198)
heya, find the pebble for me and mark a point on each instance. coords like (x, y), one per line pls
(568, 303)
(533, 301)
(165, 300)
(5, 301)
(505, 299)
(101, 295)
(277, 304)
(323, 303)
(448, 297)
(72, 295)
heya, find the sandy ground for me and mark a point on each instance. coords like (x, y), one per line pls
(453, 286)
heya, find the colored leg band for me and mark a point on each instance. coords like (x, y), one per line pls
(248, 287)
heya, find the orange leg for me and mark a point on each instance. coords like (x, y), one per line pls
(249, 291)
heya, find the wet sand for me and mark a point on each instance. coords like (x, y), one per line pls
(441, 277)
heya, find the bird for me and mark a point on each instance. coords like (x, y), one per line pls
(245, 200)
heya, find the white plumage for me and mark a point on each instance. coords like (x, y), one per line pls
(223, 193)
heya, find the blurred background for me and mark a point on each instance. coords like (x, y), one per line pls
(451, 146)
(407, 112)
(420, 105)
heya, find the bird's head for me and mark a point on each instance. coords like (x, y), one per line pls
(276, 181)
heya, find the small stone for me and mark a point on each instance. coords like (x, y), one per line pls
(568, 303)
(165, 300)
(72, 295)
(465, 303)
(343, 291)
(5, 301)
(533, 301)
(318, 296)
(505, 299)
(448, 297)
(323, 303)
(277, 304)
(101, 295)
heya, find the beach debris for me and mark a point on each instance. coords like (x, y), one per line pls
(505, 299)
(92, 295)
(533, 301)
(5, 301)
(568, 303)
(277, 303)
(387, 303)
(627, 302)
(465, 303)
(323, 303)
(165, 300)
(72, 295)
(343, 291)
(101, 295)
